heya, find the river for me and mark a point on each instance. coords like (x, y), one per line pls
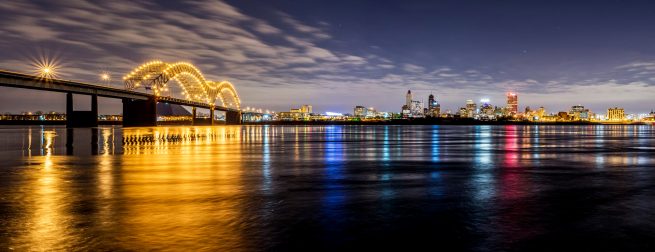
(332, 188)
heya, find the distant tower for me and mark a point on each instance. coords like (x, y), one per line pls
(433, 107)
(408, 99)
(431, 102)
(512, 103)
(471, 108)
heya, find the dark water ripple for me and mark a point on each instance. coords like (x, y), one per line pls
(313, 188)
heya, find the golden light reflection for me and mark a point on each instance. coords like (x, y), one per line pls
(193, 172)
(47, 147)
(47, 222)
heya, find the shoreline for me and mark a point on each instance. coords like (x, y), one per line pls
(386, 122)
(436, 122)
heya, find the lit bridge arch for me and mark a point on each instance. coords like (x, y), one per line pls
(156, 75)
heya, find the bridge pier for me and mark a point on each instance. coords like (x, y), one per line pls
(81, 119)
(199, 121)
(140, 113)
(232, 117)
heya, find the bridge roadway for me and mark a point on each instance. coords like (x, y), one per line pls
(131, 100)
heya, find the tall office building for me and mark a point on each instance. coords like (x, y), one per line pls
(417, 109)
(306, 109)
(615, 114)
(512, 103)
(486, 109)
(431, 101)
(406, 110)
(360, 111)
(433, 109)
(408, 99)
(471, 108)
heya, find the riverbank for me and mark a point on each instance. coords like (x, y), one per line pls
(381, 122)
(434, 122)
(39, 122)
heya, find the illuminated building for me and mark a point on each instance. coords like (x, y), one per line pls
(512, 104)
(306, 109)
(434, 109)
(486, 110)
(471, 109)
(412, 108)
(615, 114)
(370, 112)
(293, 116)
(406, 109)
(300, 114)
(650, 117)
(462, 112)
(541, 112)
(579, 112)
(37, 116)
(416, 109)
(535, 115)
(359, 111)
(408, 99)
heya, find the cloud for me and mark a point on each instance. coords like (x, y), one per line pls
(303, 28)
(261, 56)
(413, 68)
(211, 33)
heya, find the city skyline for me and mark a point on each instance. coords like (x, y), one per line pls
(335, 57)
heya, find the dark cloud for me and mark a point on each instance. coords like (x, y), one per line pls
(280, 59)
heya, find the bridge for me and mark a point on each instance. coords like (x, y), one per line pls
(140, 108)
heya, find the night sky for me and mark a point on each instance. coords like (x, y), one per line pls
(339, 54)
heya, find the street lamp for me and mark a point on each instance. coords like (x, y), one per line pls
(47, 71)
(105, 77)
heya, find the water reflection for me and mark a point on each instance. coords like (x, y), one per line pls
(334, 192)
(286, 187)
(483, 146)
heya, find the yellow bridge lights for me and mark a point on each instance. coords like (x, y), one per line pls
(155, 75)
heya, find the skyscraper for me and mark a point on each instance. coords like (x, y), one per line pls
(512, 103)
(406, 110)
(433, 108)
(471, 108)
(431, 101)
(408, 99)
(486, 109)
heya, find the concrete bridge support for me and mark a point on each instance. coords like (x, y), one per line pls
(139, 113)
(232, 117)
(200, 121)
(81, 119)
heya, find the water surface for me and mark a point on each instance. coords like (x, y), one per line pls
(253, 188)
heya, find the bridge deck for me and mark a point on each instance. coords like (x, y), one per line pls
(18, 80)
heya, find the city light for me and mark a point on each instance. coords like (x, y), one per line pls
(105, 77)
(155, 75)
(46, 68)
